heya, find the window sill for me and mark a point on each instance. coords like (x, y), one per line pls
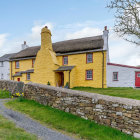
(115, 80)
(88, 79)
(89, 62)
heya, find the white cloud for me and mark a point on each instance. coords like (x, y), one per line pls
(3, 38)
(123, 52)
(36, 30)
(32, 38)
(85, 32)
(120, 51)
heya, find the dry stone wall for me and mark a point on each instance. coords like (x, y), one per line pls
(120, 113)
(12, 86)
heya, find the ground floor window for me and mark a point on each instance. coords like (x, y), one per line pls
(2, 76)
(89, 74)
(115, 76)
(28, 76)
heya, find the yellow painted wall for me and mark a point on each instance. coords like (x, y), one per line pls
(47, 61)
(44, 70)
(23, 66)
(78, 74)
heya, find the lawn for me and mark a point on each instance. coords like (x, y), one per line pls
(67, 122)
(8, 131)
(4, 94)
(118, 92)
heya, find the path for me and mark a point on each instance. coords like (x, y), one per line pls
(30, 125)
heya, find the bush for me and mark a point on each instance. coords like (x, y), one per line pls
(48, 83)
(19, 96)
(67, 85)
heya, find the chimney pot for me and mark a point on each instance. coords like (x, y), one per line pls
(24, 42)
(105, 27)
(46, 26)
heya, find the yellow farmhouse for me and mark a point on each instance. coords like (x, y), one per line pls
(70, 63)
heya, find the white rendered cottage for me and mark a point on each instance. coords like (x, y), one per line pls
(119, 75)
(5, 66)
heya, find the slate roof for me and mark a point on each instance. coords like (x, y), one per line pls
(21, 72)
(75, 45)
(6, 57)
(64, 68)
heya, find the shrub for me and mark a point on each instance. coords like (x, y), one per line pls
(48, 83)
(19, 96)
(67, 85)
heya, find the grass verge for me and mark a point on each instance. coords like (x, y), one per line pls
(67, 122)
(118, 92)
(8, 131)
(4, 94)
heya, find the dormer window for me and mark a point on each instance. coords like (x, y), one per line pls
(89, 58)
(17, 64)
(65, 60)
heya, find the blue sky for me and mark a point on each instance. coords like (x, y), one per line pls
(22, 20)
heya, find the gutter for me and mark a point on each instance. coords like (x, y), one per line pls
(103, 70)
(11, 71)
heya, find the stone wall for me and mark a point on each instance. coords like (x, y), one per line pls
(120, 113)
(12, 86)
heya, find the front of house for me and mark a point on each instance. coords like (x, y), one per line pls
(78, 62)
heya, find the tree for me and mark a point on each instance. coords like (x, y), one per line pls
(127, 19)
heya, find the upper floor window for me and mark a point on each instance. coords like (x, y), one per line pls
(33, 62)
(28, 76)
(1, 64)
(89, 58)
(89, 74)
(115, 76)
(65, 60)
(17, 64)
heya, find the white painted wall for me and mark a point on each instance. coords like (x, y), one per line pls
(5, 70)
(126, 76)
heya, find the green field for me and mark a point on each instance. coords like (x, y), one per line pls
(8, 131)
(118, 92)
(67, 122)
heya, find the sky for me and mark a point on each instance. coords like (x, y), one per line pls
(22, 20)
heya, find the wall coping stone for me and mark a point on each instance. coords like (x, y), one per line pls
(126, 101)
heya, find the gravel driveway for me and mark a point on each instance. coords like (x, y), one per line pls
(30, 125)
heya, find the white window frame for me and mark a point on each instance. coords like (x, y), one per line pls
(2, 76)
(65, 60)
(114, 78)
(89, 57)
(17, 64)
(89, 76)
(28, 76)
(1, 64)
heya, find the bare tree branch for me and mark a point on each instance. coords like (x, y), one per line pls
(127, 19)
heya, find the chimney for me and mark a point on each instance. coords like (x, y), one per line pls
(105, 38)
(24, 45)
(46, 42)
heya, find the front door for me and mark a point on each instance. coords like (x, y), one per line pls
(137, 79)
(62, 79)
(18, 79)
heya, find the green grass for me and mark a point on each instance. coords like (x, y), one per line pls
(119, 92)
(4, 94)
(67, 122)
(8, 131)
